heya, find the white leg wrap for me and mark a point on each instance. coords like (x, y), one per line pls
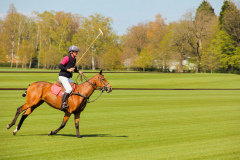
(15, 131)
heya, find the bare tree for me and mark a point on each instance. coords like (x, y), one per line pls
(199, 29)
(179, 44)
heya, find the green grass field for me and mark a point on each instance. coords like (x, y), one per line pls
(196, 124)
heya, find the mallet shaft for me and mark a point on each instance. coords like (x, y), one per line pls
(101, 33)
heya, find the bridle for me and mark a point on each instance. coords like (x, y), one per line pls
(104, 85)
(102, 89)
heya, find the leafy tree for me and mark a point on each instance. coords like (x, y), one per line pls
(14, 27)
(3, 54)
(10, 28)
(224, 8)
(236, 58)
(12, 9)
(144, 59)
(26, 52)
(165, 52)
(155, 43)
(229, 20)
(62, 30)
(133, 42)
(111, 59)
(136, 38)
(31, 34)
(204, 8)
(45, 25)
(55, 32)
(175, 44)
(228, 50)
(21, 24)
(155, 33)
(222, 45)
(211, 56)
(89, 30)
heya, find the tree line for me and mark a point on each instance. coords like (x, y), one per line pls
(204, 41)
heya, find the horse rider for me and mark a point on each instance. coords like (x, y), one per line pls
(67, 67)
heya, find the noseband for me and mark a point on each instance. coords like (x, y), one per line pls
(104, 85)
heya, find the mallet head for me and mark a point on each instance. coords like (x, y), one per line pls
(101, 31)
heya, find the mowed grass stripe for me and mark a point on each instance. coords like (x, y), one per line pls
(136, 80)
(129, 125)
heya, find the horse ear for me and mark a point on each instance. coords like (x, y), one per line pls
(100, 72)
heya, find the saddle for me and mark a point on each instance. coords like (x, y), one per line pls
(57, 88)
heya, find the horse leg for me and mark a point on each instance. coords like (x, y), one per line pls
(15, 118)
(32, 99)
(77, 115)
(19, 110)
(65, 119)
(25, 115)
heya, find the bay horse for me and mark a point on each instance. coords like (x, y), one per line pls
(40, 92)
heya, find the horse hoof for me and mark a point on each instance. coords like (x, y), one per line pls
(8, 126)
(15, 131)
(50, 133)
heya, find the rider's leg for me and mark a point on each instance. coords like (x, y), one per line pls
(64, 101)
(68, 89)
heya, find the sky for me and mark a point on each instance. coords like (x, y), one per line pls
(125, 13)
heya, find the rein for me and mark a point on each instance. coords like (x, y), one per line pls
(93, 85)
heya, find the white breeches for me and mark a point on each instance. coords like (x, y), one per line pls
(66, 83)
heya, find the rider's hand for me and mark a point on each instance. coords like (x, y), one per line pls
(71, 69)
(81, 73)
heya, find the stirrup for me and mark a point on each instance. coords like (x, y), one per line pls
(64, 106)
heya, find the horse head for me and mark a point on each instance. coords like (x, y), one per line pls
(103, 83)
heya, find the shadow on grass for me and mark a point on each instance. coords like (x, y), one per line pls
(102, 135)
(74, 135)
(89, 135)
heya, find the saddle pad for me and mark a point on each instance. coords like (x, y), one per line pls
(57, 90)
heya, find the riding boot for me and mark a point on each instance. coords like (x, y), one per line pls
(64, 101)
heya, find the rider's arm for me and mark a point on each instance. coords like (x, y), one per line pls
(64, 62)
(76, 70)
(62, 67)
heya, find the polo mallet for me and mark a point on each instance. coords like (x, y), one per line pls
(101, 33)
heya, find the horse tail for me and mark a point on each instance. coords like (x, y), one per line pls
(24, 94)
